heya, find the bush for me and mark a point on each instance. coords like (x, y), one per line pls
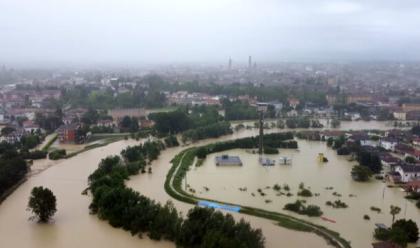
(375, 209)
(171, 141)
(361, 173)
(305, 193)
(312, 211)
(276, 187)
(300, 208)
(381, 234)
(57, 154)
(270, 150)
(37, 154)
(336, 204)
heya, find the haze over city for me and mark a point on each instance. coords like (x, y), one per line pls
(210, 123)
(129, 32)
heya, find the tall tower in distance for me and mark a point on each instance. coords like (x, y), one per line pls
(250, 62)
(230, 63)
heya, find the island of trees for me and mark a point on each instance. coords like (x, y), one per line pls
(127, 209)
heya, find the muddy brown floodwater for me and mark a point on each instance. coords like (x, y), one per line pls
(74, 227)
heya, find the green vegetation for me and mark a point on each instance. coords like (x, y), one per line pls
(276, 187)
(42, 203)
(298, 122)
(361, 173)
(394, 210)
(49, 122)
(171, 141)
(12, 167)
(171, 122)
(375, 209)
(370, 160)
(402, 232)
(173, 186)
(129, 124)
(184, 119)
(270, 150)
(149, 150)
(37, 154)
(209, 131)
(57, 154)
(239, 111)
(30, 141)
(127, 209)
(300, 208)
(98, 98)
(410, 160)
(275, 140)
(304, 192)
(337, 204)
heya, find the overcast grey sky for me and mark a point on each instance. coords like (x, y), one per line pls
(168, 31)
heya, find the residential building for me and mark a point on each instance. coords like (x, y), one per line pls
(408, 172)
(388, 144)
(68, 134)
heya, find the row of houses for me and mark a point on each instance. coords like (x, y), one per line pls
(392, 146)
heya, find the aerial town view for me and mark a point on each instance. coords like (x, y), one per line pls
(210, 124)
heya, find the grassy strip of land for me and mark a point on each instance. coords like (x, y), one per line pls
(173, 186)
(101, 136)
(95, 145)
(50, 142)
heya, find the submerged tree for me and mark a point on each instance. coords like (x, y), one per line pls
(42, 203)
(394, 210)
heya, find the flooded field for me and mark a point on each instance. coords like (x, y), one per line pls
(74, 227)
(223, 183)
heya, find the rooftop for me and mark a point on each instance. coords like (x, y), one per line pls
(228, 160)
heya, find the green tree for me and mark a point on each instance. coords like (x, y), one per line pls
(410, 160)
(409, 227)
(394, 210)
(42, 203)
(361, 173)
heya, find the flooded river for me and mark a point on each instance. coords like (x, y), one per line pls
(74, 227)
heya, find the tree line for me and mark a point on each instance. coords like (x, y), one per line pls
(13, 167)
(210, 131)
(273, 140)
(124, 208)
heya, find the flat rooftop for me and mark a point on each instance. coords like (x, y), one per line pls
(228, 160)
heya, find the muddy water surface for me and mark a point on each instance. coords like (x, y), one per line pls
(74, 227)
(224, 183)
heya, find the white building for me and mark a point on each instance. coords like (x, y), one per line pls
(408, 173)
(388, 144)
(399, 115)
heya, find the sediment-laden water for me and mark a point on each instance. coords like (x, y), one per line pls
(74, 227)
